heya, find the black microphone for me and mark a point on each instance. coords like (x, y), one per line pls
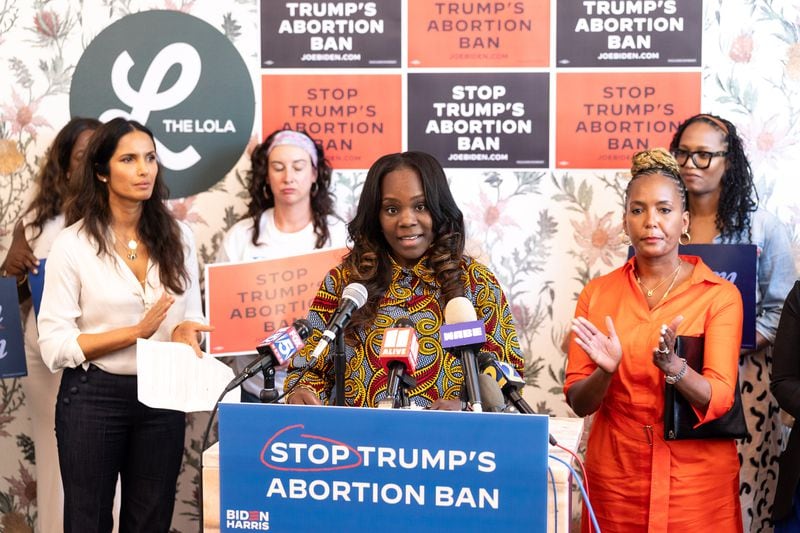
(398, 356)
(464, 334)
(507, 378)
(353, 297)
(275, 350)
(491, 395)
(508, 381)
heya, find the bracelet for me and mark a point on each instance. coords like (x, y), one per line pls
(672, 380)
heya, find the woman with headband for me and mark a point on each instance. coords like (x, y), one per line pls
(290, 212)
(723, 210)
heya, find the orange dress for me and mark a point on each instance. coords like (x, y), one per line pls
(637, 480)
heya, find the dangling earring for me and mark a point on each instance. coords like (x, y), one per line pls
(266, 192)
(688, 238)
(624, 238)
(314, 188)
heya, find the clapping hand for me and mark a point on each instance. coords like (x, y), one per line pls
(604, 350)
(664, 356)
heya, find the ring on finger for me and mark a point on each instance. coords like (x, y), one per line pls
(665, 351)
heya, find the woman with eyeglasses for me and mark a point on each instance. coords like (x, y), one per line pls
(723, 210)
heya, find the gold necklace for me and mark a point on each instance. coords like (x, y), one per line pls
(650, 292)
(133, 244)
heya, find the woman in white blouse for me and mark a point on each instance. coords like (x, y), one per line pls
(122, 269)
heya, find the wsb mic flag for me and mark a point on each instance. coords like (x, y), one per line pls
(398, 355)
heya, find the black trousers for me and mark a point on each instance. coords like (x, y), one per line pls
(104, 431)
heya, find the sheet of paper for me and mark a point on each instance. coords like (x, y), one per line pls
(171, 376)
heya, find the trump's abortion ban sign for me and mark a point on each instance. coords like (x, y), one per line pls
(180, 77)
(305, 468)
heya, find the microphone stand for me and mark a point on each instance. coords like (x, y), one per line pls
(470, 368)
(339, 367)
(268, 394)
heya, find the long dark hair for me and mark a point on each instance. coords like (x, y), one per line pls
(261, 197)
(369, 262)
(53, 178)
(157, 228)
(738, 197)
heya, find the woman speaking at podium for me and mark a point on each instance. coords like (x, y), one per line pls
(408, 251)
(624, 333)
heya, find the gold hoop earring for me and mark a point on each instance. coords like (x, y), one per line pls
(314, 188)
(625, 238)
(688, 238)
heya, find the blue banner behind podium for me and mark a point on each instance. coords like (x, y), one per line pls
(304, 468)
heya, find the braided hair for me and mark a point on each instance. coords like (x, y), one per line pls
(738, 197)
(657, 161)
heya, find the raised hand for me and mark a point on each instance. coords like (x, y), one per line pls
(664, 356)
(604, 350)
(155, 316)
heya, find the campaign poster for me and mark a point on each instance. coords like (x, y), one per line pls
(330, 34)
(479, 34)
(480, 120)
(12, 346)
(246, 302)
(664, 33)
(357, 118)
(602, 119)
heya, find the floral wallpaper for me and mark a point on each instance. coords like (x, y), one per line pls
(544, 233)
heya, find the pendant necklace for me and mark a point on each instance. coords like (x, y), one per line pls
(133, 244)
(650, 292)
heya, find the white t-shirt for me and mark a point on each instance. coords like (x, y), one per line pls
(87, 293)
(272, 244)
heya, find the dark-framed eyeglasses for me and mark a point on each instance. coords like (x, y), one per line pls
(701, 158)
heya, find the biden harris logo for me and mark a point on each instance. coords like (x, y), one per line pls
(180, 77)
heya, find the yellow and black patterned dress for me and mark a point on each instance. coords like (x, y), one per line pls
(413, 293)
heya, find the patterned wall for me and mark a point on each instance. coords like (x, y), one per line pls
(545, 232)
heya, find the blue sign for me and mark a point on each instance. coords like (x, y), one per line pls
(12, 346)
(462, 334)
(307, 468)
(736, 263)
(36, 284)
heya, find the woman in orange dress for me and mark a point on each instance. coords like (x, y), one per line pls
(624, 335)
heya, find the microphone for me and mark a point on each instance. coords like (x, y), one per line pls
(463, 333)
(274, 351)
(491, 395)
(398, 356)
(508, 380)
(353, 297)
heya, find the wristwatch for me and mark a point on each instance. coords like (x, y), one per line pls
(672, 380)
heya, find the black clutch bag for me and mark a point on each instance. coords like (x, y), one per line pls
(679, 417)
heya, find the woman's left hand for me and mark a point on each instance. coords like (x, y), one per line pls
(445, 405)
(664, 356)
(188, 332)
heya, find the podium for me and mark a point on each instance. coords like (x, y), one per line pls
(297, 468)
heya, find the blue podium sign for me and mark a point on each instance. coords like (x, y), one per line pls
(305, 468)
